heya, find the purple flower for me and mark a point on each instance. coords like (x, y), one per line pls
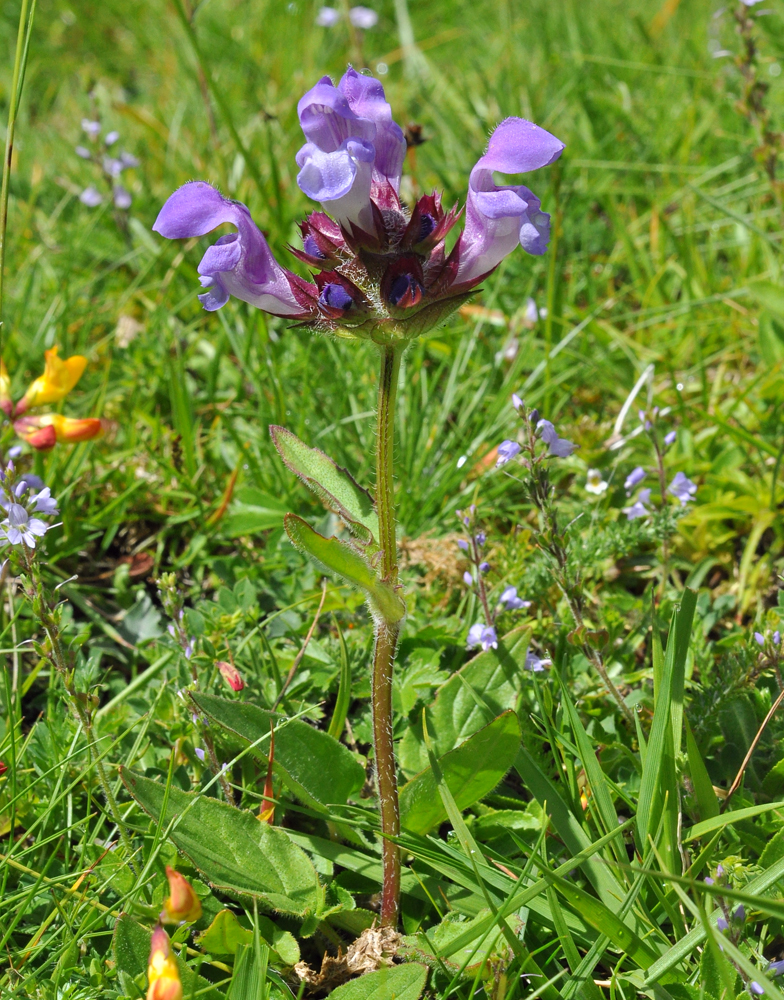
(511, 601)
(462, 544)
(112, 166)
(122, 198)
(634, 478)
(84, 152)
(480, 538)
(776, 637)
(722, 924)
(517, 403)
(506, 452)
(327, 17)
(755, 988)
(760, 638)
(468, 579)
(531, 312)
(638, 508)
(719, 870)
(740, 913)
(128, 160)
(91, 197)
(43, 502)
(776, 968)
(199, 753)
(670, 438)
(239, 264)
(482, 635)
(709, 881)
(535, 663)
(682, 488)
(559, 447)
(498, 218)
(20, 528)
(363, 17)
(335, 296)
(111, 137)
(354, 149)
(90, 127)
(484, 567)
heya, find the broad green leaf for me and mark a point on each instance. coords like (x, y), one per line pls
(335, 487)
(454, 715)
(469, 956)
(234, 851)
(398, 982)
(336, 556)
(225, 934)
(131, 947)
(315, 766)
(471, 771)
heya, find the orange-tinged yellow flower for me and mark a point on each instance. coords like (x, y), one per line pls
(162, 972)
(6, 403)
(182, 903)
(45, 430)
(59, 377)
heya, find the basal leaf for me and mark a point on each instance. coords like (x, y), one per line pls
(332, 484)
(226, 934)
(471, 771)
(235, 852)
(315, 766)
(455, 714)
(398, 982)
(336, 556)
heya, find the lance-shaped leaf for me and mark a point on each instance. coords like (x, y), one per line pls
(234, 851)
(333, 485)
(319, 770)
(400, 982)
(471, 771)
(335, 556)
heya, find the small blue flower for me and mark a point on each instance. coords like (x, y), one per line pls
(517, 403)
(634, 478)
(535, 663)
(484, 567)
(759, 638)
(511, 601)
(670, 438)
(722, 924)
(468, 579)
(482, 635)
(682, 488)
(462, 544)
(506, 452)
(559, 447)
(199, 753)
(638, 508)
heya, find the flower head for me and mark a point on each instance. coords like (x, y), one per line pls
(682, 488)
(59, 377)
(19, 526)
(559, 447)
(506, 452)
(327, 17)
(595, 483)
(231, 675)
(755, 989)
(670, 438)
(535, 663)
(91, 197)
(511, 601)
(638, 508)
(162, 971)
(47, 429)
(468, 579)
(634, 478)
(363, 17)
(482, 635)
(182, 904)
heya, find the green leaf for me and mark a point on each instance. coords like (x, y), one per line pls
(339, 557)
(225, 934)
(319, 770)
(471, 771)
(333, 485)
(455, 713)
(471, 955)
(131, 947)
(399, 982)
(700, 779)
(717, 822)
(235, 852)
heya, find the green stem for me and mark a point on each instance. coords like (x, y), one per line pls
(17, 77)
(387, 635)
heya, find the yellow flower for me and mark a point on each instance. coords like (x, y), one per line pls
(182, 903)
(162, 972)
(6, 403)
(45, 430)
(58, 379)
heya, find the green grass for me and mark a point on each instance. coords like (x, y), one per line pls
(668, 255)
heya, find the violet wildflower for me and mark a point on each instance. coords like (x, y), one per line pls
(682, 488)
(199, 752)
(722, 924)
(759, 638)
(363, 17)
(638, 508)
(506, 452)
(531, 312)
(634, 478)
(20, 527)
(122, 198)
(468, 580)
(559, 447)
(670, 438)
(709, 881)
(740, 914)
(462, 544)
(91, 197)
(110, 138)
(517, 403)
(482, 635)
(83, 152)
(776, 968)
(327, 17)
(511, 601)
(91, 127)
(536, 664)
(594, 483)
(484, 567)
(480, 538)
(755, 989)
(776, 637)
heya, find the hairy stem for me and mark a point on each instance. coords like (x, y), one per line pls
(387, 634)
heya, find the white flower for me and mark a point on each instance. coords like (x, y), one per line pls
(595, 483)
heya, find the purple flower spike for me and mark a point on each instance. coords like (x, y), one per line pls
(462, 544)
(759, 638)
(335, 296)
(670, 438)
(500, 218)
(239, 264)
(506, 452)
(634, 478)
(482, 635)
(722, 924)
(559, 447)
(682, 488)
(468, 579)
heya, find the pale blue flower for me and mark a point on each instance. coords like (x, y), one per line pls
(506, 452)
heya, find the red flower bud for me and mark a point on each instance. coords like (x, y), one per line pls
(182, 904)
(231, 675)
